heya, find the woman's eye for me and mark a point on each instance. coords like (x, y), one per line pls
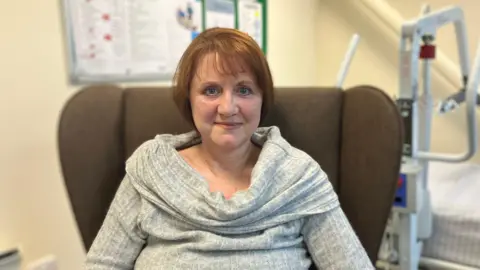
(211, 91)
(244, 91)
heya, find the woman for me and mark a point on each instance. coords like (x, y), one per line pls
(228, 195)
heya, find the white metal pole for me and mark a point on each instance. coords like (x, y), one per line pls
(352, 47)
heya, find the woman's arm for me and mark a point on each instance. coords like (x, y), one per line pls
(333, 244)
(119, 240)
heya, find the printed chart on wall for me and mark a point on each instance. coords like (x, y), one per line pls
(251, 18)
(128, 40)
(219, 13)
(246, 15)
(131, 40)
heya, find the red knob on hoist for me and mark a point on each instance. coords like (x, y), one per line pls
(427, 51)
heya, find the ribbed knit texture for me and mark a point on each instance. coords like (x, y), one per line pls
(163, 215)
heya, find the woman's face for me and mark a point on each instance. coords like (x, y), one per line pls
(226, 109)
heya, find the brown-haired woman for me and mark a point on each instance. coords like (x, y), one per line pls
(229, 194)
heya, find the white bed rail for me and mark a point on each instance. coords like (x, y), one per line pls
(435, 264)
(389, 17)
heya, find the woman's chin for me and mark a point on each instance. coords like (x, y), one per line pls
(228, 142)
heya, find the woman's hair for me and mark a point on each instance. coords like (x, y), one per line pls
(237, 51)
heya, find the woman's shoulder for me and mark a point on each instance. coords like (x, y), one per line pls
(275, 145)
(291, 169)
(288, 163)
(161, 146)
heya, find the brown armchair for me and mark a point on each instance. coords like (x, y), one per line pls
(355, 135)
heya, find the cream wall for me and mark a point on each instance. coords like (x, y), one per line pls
(34, 212)
(376, 60)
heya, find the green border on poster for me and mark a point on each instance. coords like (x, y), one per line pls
(264, 25)
(204, 14)
(264, 22)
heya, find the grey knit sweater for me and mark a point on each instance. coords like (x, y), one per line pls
(163, 215)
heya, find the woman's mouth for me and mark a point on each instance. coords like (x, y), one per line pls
(228, 125)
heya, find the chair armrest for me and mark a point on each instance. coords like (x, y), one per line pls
(370, 159)
(90, 146)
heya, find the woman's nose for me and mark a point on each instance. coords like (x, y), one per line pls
(227, 105)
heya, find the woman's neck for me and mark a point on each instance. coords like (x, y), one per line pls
(232, 163)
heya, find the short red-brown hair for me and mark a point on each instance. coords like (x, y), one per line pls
(237, 51)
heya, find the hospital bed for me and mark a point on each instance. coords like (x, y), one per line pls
(455, 194)
(435, 221)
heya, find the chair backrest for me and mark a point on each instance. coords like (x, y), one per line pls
(355, 135)
(308, 118)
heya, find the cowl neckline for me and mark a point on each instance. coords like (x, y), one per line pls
(285, 184)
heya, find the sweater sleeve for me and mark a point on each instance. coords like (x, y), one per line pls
(332, 242)
(119, 240)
